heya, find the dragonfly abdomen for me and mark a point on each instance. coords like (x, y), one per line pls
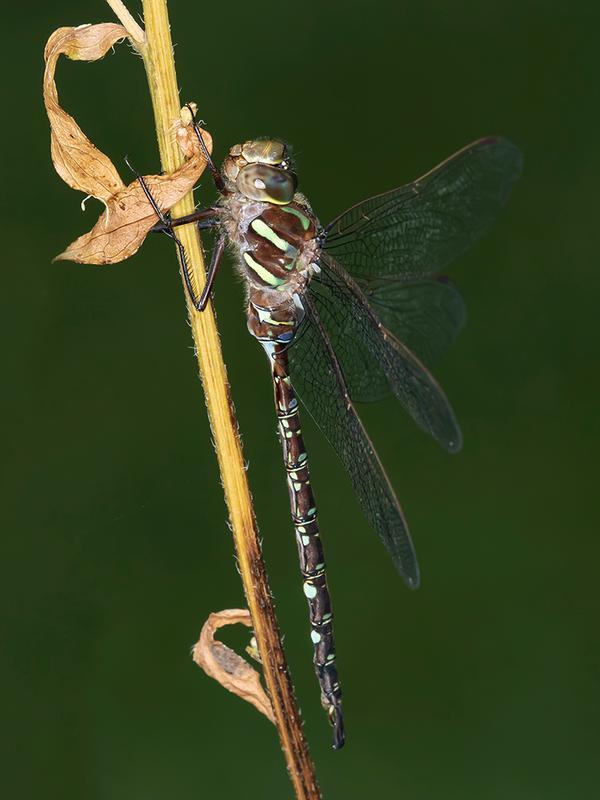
(308, 540)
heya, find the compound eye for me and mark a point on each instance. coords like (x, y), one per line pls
(267, 184)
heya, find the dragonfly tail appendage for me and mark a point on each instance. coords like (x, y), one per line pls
(308, 539)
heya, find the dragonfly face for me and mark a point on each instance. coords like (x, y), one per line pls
(259, 170)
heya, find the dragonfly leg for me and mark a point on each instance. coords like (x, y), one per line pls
(165, 225)
(204, 217)
(211, 274)
(216, 175)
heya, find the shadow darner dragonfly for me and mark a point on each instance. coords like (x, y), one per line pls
(348, 313)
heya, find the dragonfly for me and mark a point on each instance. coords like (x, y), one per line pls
(348, 313)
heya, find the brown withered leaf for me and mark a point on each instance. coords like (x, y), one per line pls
(128, 215)
(78, 162)
(226, 666)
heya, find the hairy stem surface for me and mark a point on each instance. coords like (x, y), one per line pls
(155, 47)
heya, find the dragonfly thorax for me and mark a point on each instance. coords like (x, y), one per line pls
(273, 231)
(276, 245)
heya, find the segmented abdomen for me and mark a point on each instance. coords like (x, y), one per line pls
(308, 539)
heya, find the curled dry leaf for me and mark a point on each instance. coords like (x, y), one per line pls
(226, 666)
(128, 215)
(78, 162)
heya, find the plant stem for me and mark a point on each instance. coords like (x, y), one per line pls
(157, 51)
(136, 33)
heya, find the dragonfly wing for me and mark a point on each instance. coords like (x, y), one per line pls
(426, 316)
(320, 384)
(415, 230)
(359, 338)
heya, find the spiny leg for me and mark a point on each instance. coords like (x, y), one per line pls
(211, 274)
(166, 227)
(216, 175)
(205, 218)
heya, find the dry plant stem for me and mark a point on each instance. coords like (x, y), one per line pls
(157, 52)
(136, 33)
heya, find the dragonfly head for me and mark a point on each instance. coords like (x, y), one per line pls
(260, 169)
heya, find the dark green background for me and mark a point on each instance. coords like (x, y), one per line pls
(485, 683)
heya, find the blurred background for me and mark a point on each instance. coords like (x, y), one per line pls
(485, 683)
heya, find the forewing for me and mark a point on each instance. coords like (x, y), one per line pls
(373, 360)
(320, 384)
(416, 230)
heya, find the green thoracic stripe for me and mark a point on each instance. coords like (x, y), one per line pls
(302, 217)
(268, 318)
(265, 316)
(263, 273)
(268, 233)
